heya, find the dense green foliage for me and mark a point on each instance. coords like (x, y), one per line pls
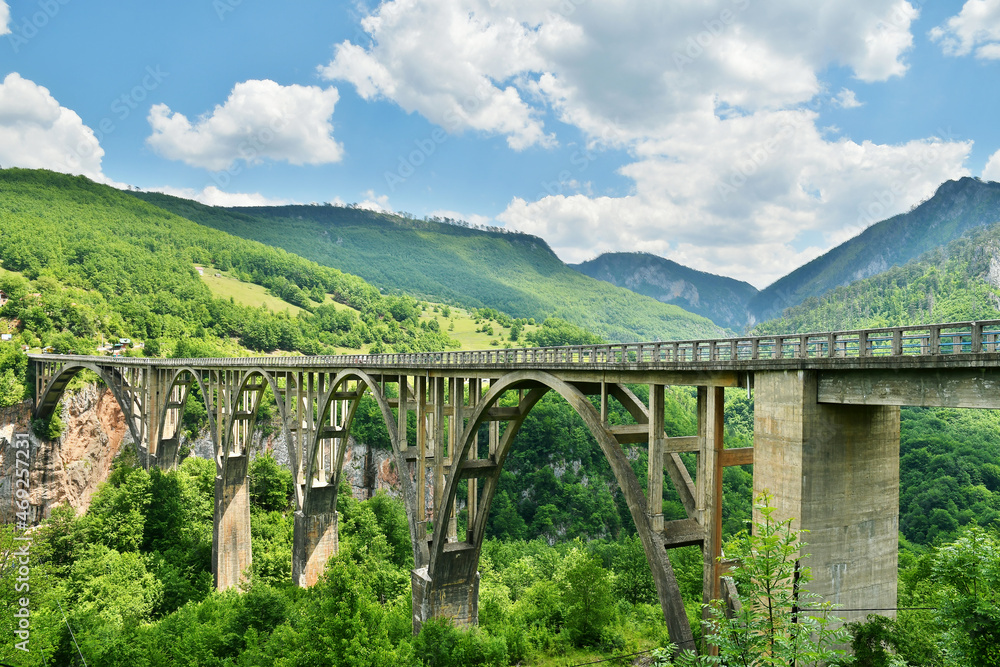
(97, 263)
(950, 600)
(132, 576)
(778, 623)
(514, 273)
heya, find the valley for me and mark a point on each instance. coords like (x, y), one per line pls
(77, 262)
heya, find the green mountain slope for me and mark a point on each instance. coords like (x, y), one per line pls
(959, 282)
(955, 208)
(514, 273)
(720, 299)
(85, 261)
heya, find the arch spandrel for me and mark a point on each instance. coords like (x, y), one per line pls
(366, 384)
(450, 560)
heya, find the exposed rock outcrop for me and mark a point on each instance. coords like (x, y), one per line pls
(69, 469)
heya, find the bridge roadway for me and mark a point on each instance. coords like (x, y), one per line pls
(826, 442)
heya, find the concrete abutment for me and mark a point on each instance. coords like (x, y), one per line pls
(834, 469)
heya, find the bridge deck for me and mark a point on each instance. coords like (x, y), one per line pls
(948, 345)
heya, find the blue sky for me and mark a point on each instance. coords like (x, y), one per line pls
(733, 136)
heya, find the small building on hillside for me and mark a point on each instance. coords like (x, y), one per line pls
(3, 299)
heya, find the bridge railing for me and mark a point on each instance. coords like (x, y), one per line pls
(926, 339)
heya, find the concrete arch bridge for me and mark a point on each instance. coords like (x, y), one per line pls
(826, 441)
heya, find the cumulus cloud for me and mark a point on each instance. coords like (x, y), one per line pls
(36, 132)
(261, 120)
(751, 197)
(846, 99)
(992, 170)
(213, 196)
(374, 202)
(453, 61)
(473, 219)
(4, 18)
(717, 103)
(619, 69)
(974, 29)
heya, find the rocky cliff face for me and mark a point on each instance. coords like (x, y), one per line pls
(69, 469)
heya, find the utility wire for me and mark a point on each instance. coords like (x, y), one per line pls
(71, 633)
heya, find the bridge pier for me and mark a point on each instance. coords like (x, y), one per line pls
(231, 553)
(835, 470)
(454, 593)
(315, 538)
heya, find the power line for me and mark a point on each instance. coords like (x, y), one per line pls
(71, 633)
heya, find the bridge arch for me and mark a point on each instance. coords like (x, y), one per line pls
(174, 399)
(316, 521)
(450, 582)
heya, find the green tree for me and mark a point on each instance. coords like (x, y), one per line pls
(967, 572)
(587, 597)
(774, 624)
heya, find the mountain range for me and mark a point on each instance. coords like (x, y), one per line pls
(956, 208)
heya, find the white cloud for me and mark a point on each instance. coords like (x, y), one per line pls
(992, 170)
(717, 103)
(751, 197)
(975, 28)
(213, 196)
(453, 61)
(37, 133)
(846, 99)
(374, 202)
(621, 70)
(260, 120)
(4, 18)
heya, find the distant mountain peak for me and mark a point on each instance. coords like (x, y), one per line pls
(723, 300)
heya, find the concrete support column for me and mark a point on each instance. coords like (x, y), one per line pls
(455, 592)
(315, 538)
(835, 470)
(231, 554)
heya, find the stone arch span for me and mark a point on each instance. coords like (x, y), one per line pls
(449, 585)
(316, 538)
(170, 413)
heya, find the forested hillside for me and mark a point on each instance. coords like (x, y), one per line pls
(949, 459)
(957, 207)
(514, 273)
(83, 262)
(722, 300)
